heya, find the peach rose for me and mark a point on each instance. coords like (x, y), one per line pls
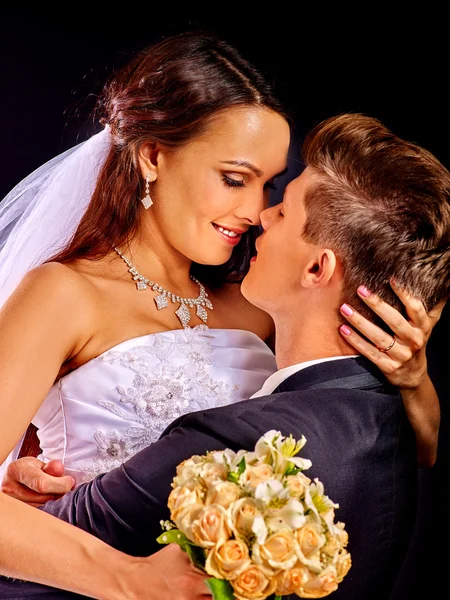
(212, 471)
(341, 534)
(335, 541)
(309, 539)
(223, 493)
(185, 516)
(254, 475)
(187, 470)
(318, 586)
(210, 526)
(182, 497)
(253, 584)
(242, 514)
(279, 550)
(297, 484)
(343, 565)
(228, 560)
(290, 581)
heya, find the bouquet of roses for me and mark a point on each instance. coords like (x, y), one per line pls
(256, 523)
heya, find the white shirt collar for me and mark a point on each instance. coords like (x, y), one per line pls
(281, 375)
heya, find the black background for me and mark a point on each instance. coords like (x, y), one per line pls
(323, 62)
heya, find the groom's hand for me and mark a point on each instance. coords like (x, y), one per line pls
(32, 481)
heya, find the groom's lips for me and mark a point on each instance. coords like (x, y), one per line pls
(253, 258)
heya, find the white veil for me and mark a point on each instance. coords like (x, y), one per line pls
(40, 215)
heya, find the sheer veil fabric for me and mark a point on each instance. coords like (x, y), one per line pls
(39, 216)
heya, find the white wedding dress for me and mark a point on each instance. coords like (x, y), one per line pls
(99, 415)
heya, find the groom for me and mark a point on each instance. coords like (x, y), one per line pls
(368, 207)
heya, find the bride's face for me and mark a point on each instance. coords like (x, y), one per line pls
(212, 190)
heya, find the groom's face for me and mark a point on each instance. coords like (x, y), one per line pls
(282, 254)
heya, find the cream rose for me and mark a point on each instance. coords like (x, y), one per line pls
(228, 560)
(318, 586)
(343, 565)
(182, 497)
(290, 581)
(253, 584)
(223, 493)
(210, 526)
(309, 539)
(187, 470)
(341, 534)
(185, 516)
(297, 484)
(279, 550)
(254, 475)
(242, 514)
(212, 471)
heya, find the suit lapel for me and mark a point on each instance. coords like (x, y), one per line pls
(351, 373)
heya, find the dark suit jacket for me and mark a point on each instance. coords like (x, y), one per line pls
(360, 443)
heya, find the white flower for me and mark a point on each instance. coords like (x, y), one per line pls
(272, 493)
(259, 528)
(279, 452)
(290, 516)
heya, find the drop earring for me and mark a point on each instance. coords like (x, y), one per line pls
(147, 200)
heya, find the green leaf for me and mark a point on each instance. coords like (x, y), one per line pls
(220, 589)
(197, 555)
(173, 536)
(233, 476)
(241, 466)
(291, 470)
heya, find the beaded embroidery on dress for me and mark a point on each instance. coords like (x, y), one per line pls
(101, 414)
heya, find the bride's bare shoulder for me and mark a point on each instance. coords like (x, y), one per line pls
(54, 284)
(53, 274)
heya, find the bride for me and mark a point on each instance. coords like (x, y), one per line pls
(120, 263)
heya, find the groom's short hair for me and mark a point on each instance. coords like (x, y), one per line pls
(383, 205)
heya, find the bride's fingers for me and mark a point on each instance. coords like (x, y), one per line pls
(436, 312)
(414, 309)
(387, 362)
(376, 335)
(412, 333)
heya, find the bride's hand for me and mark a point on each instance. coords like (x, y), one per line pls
(402, 359)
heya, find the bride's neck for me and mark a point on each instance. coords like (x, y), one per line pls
(157, 261)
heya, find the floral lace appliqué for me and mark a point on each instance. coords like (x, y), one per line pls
(170, 379)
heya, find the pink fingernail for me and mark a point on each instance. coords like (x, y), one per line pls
(363, 291)
(346, 310)
(345, 330)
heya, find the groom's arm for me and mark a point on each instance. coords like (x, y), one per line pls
(124, 507)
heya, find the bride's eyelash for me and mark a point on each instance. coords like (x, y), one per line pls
(230, 182)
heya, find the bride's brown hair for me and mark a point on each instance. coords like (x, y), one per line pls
(169, 93)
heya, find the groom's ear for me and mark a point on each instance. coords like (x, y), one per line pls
(319, 271)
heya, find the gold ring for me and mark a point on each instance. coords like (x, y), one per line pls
(387, 347)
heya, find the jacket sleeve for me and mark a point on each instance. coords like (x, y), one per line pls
(124, 507)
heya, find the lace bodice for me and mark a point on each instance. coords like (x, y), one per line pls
(97, 416)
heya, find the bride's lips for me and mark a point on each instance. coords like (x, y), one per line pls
(229, 235)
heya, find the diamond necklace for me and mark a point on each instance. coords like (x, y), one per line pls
(162, 301)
